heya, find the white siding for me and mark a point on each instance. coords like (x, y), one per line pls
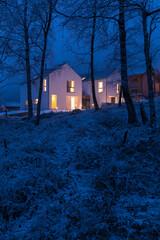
(101, 97)
(58, 86)
(35, 91)
(112, 81)
(109, 88)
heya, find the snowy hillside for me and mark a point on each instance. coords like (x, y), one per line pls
(72, 178)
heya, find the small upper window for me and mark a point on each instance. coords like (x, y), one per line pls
(70, 86)
(26, 103)
(44, 85)
(100, 87)
(118, 88)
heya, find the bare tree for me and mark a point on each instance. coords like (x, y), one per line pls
(83, 21)
(92, 56)
(117, 11)
(147, 13)
(45, 19)
(122, 37)
(4, 42)
(27, 59)
(21, 40)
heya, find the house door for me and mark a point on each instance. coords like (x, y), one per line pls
(54, 101)
(112, 99)
(72, 103)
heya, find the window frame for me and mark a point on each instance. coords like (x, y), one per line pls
(100, 89)
(118, 88)
(44, 85)
(70, 86)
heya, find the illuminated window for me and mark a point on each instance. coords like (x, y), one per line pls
(118, 88)
(36, 101)
(26, 103)
(44, 85)
(70, 86)
(100, 87)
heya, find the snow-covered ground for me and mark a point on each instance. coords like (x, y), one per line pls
(72, 178)
(16, 112)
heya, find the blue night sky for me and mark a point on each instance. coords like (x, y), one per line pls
(59, 49)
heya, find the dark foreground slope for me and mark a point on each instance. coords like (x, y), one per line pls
(72, 178)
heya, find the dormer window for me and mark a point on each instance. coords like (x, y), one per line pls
(70, 86)
(44, 85)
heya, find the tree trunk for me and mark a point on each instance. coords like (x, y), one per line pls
(46, 30)
(120, 97)
(126, 94)
(92, 61)
(143, 113)
(40, 86)
(149, 71)
(27, 60)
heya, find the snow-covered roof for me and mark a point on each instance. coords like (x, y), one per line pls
(49, 71)
(99, 75)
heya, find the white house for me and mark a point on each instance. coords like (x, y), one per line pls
(113, 87)
(106, 88)
(62, 90)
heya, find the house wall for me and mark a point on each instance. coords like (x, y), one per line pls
(58, 86)
(135, 85)
(35, 92)
(112, 81)
(87, 90)
(109, 89)
(23, 96)
(144, 85)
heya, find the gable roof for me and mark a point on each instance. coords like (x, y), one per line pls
(99, 75)
(49, 71)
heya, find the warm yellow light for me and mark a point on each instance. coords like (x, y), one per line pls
(72, 84)
(118, 88)
(71, 89)
(44, 85)
(100, 87)
(72, 103)
(36, 101)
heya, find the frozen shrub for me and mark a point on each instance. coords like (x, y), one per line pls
(48, 115)
(76, 111)
(86, 158)
(115, 180)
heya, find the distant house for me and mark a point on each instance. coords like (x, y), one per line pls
(138, 85)
(62, 90)
(108, 88)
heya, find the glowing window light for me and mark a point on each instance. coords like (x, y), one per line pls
(100, 87)
(44, 85)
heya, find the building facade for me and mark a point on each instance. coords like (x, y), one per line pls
(108, 89)
(62, 90)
